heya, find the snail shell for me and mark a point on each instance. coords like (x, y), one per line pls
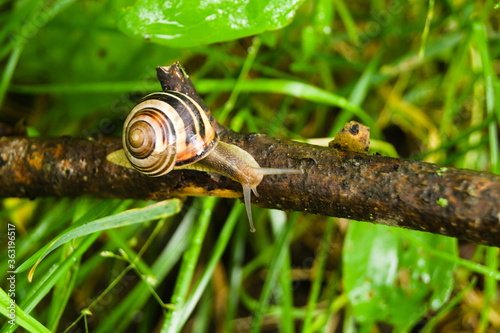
(168, 130)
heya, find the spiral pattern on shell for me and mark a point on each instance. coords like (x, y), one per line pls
(167, 130)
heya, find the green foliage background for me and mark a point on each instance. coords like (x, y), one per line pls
(422, 75)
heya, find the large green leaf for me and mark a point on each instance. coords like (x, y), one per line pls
(197, 22)
(389, 280)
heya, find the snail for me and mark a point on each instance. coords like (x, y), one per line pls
(169, 130)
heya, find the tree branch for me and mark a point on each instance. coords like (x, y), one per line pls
(408, 194)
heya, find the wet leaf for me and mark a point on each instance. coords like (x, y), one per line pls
(198, 22)
(390, 280)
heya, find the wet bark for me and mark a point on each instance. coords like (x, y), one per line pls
(409, 194)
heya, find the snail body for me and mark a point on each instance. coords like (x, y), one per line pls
(169, 130)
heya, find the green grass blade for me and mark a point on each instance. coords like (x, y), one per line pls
(245, 69)
(285, 299)
(425, 33)
(173, 321)
(44, 284)
(411, 60)
(86, 87)
(279, 255)
(92, 211)
(287, 87)
(236, 273)
(9, 70)
(36, 20)
(219, 248)
(358, 94)
(20, 317)
(490, 78)
(152, 212)
(121, 316)
(61, 294)
(490, 288)
(324, 248)
(348, 21)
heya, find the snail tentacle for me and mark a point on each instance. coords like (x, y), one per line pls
(235, 163)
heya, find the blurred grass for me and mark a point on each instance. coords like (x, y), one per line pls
(422, 75)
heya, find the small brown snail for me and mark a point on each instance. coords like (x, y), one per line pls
(168, 130)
